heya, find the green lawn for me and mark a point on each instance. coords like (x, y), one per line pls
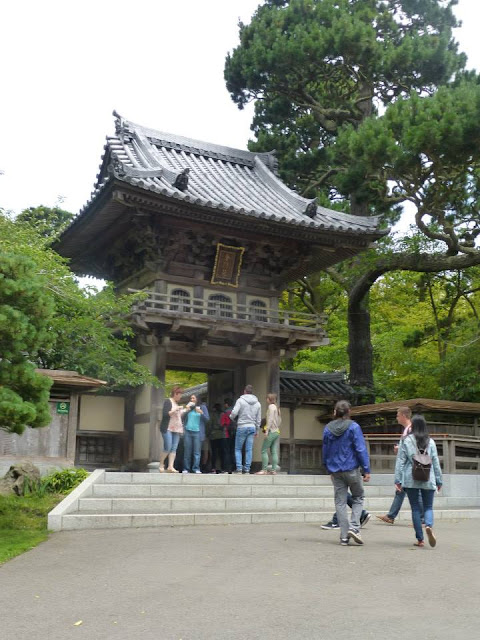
(23, 522)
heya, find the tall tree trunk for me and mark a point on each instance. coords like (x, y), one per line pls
(360, 350)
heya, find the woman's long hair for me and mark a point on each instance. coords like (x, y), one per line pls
(272, 398)
(420, 431)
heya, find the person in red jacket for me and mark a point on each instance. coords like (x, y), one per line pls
(230, 430)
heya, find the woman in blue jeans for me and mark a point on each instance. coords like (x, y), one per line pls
(419, 440)
(192, 441)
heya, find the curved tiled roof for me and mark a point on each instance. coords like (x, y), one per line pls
(215, 177)
(298, 384)
(323, 385)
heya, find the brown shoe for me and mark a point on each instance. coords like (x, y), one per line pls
(431, 537)
(385, 519)
(261, 473)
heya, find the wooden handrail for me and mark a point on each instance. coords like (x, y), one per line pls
(399, 435)
(226, 310)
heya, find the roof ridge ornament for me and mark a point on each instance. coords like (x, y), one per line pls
(311, 209)
(122, 126)
(155, 167)
(269, 158)
(181, 181)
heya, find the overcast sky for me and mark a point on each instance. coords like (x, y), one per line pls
(66, 66)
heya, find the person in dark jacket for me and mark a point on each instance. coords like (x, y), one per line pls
(346, 459)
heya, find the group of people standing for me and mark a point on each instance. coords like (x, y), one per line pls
(346, 458)
(229, 432)
(232, 431)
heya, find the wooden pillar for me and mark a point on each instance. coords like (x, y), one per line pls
(71, 443)
(129, 422)
(476, 427)
(157, 398)
(239, 381)
(273, 377)
(291, 445)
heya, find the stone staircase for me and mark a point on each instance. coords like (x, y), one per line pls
(116, 500)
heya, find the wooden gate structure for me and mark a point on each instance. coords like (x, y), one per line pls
(212, 236)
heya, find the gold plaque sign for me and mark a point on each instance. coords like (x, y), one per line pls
(228, 261)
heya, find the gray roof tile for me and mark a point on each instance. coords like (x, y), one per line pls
(299, 384)
(219, 178)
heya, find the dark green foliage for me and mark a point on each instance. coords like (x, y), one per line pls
(428, 148)
(314, 66)
(26, 310)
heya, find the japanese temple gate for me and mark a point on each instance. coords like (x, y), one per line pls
(212, 236)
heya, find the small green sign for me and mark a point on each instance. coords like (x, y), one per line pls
(63, 407)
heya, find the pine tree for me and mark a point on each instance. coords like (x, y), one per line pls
(317, 68)
(26, 309)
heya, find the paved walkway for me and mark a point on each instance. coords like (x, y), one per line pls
(244, 582)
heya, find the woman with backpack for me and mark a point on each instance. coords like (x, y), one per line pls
(417, 470)
(272, 434)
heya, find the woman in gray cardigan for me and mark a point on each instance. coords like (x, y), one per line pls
(419, 439)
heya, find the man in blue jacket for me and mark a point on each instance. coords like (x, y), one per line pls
(346, 459)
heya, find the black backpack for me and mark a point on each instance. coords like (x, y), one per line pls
(421, 465)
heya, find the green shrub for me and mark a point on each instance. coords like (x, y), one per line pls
(61, 482)
(64, 481)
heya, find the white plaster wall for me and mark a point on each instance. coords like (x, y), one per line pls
(101, 413)
(307, 427)
(141, 440)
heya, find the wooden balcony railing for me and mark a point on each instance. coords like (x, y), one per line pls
(457, 453)
(222, 308)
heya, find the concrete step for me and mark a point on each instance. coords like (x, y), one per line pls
(236, 505)
(217, 479)
(153, 499)
(115, 521)
(235, 490)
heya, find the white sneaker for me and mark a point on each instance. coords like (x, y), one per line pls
(354, 534)
(184, 471)
(198, 471)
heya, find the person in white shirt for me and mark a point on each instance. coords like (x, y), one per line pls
(272, 433)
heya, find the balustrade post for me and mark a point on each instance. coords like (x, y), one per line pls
(446, 456)
(452, 457)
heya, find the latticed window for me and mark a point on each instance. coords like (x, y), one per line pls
(220, 305)
(180, 300)
(258, 311)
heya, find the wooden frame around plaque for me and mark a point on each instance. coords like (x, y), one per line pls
(228, 261)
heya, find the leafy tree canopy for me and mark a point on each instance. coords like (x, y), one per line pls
(89, 330)
(425, 335)
(48, 222)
